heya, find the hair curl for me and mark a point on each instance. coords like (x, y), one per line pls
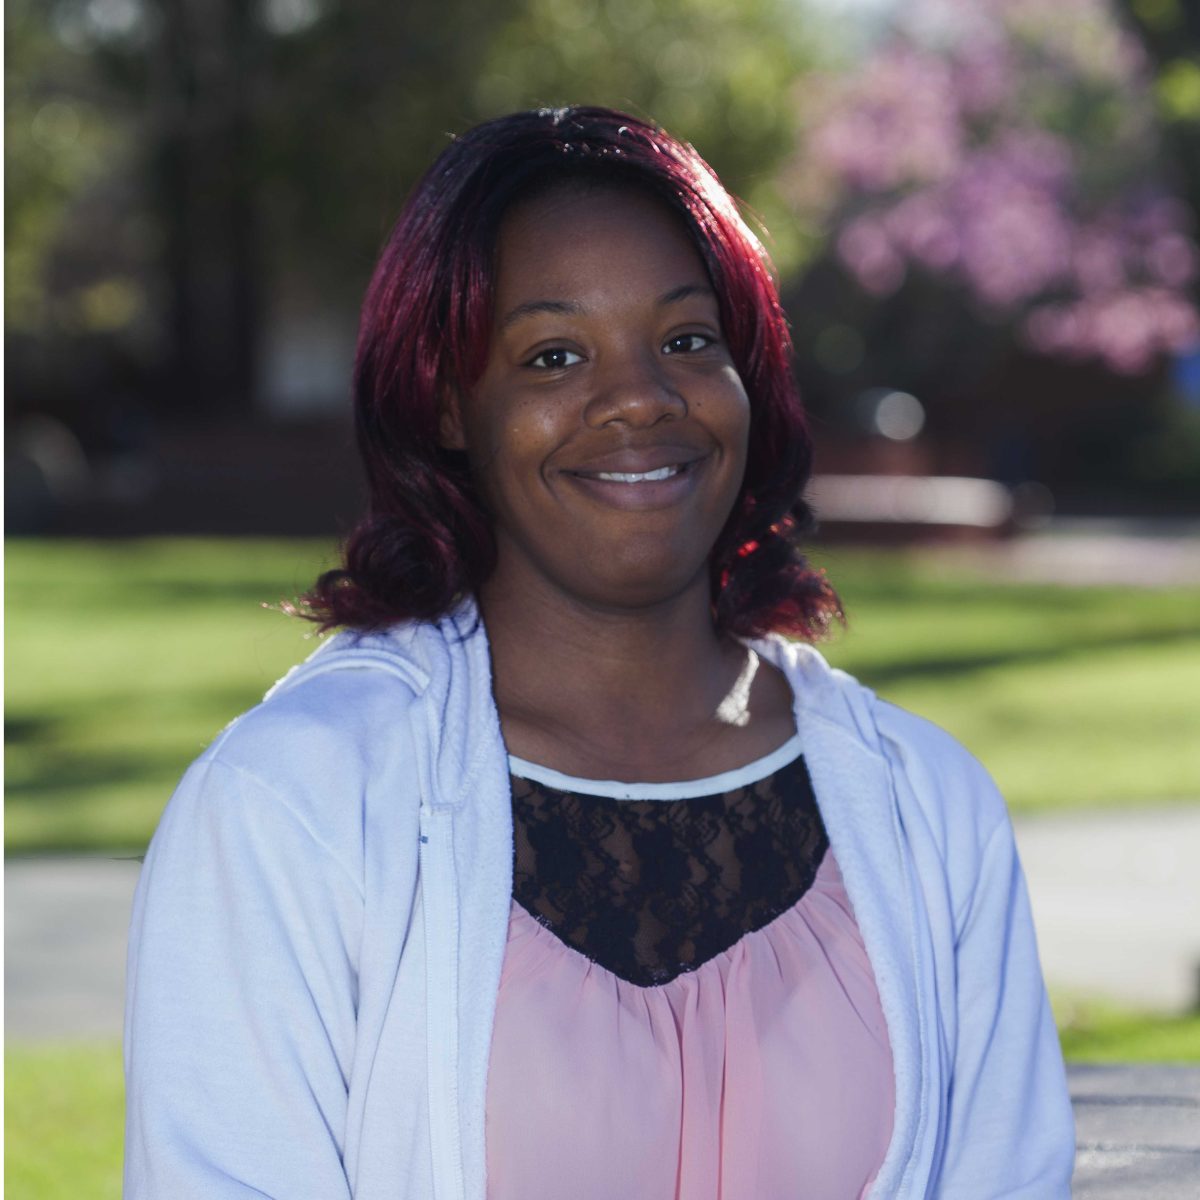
(425, 541)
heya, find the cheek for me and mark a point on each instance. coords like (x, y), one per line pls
(737, 439)
(530, 431)
(485, 420)
(509, 444)
(731, 413)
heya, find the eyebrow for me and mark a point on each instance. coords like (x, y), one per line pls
(686, 291)
(571, 308)
(562, 308)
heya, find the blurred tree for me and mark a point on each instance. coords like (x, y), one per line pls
(710, 71)
(260, 149)
(1169, 31)
(64, 129)
(284, 133)
(1008, 149)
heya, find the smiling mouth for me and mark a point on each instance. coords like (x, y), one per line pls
(638, 476)
(655, 487)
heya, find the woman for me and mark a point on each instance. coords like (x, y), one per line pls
(559, 873)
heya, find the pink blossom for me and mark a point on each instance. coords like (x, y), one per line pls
(961, 148)
(867, 250)
(985, 77)
(1172, 260)
(1097, 262)
(921, 228)
(1127, 330)
(899, 127)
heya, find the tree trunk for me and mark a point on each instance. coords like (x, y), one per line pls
(204, 186)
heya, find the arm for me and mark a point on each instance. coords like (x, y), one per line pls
(1007, 1131)
(1010, 1130)
(241, 1000)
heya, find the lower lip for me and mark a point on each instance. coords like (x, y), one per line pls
(647, 494)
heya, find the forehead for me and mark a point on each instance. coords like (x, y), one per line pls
(574, 239)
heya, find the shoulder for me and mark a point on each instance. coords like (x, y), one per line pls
(330, 708)
(938, 782)
(336, 730)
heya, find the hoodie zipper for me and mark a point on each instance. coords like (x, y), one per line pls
(439, 899)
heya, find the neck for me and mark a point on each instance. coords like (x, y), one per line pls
(573, 681)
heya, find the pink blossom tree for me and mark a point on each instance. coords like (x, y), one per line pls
(1008, 149)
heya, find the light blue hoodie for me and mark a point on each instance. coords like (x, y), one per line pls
(321, 919)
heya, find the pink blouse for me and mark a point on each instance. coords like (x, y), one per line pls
(763, 1074)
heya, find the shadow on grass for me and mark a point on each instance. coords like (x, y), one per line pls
(74, 770)
(62, 795)
(162, 573)
(24, 728)
(926, 667)
(213, 707)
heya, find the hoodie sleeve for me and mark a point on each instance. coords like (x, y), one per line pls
(1010, 1129)
(241, 999)
(1006, 1130)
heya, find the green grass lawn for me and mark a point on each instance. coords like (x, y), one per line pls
(64, 1119)
(1096, 1031)
(124, 659)
(1070, 695)
(63, 1122)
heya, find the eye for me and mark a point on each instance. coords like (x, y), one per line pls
(554, 359)
(688, 343)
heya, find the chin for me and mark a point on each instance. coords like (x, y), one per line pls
(639, 582)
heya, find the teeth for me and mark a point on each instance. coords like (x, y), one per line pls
(638, 476)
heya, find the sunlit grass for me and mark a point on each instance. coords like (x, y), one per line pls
(124, 659)
(1096, 1031)
(1070, 696)
(63, 1122)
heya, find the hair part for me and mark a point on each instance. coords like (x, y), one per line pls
(426, 542)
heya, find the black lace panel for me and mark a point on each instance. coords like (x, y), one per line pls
(649, 889)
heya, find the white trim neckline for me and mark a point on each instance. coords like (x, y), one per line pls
(682, 789)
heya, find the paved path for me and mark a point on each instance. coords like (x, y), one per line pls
(64, 944)
(1116, 901)
(1138, 1133)
(1082, 550)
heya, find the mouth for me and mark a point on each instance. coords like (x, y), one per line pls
(655, 486)
(654, 476)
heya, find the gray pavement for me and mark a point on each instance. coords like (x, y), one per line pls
(1137, 1132)
(65, 923)
(1116, 902)
(1081, 550)
(1088, 550)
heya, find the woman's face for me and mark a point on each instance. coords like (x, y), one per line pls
(608, 432)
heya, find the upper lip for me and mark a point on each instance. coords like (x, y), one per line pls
(630, 460)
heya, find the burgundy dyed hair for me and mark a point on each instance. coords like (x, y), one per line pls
(426, 540)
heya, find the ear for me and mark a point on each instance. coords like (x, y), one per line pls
(450, 423)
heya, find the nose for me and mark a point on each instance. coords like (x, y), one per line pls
(634, 391)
